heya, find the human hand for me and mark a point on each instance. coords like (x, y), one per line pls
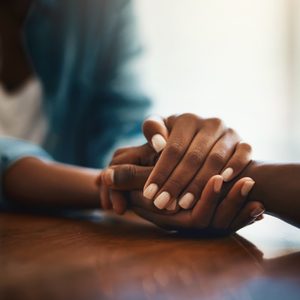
(195, 150)
(218, 209)
(207, 148)
(130, 175)
(209, 215)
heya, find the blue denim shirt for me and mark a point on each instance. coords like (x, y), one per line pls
(84, 52)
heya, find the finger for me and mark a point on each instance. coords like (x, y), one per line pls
(126, 177)
(156, 132)
(119, 202)
(204, 209)
(138, 200)
(233, 202)
(121, 151)
(169, 222)
(104, 197)
(179, 140)
(213, 164)
(142, 155)
(190, 164)
(251, 212)
(152, 217)
(239, 160)
(98, 180)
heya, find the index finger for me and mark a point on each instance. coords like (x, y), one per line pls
(179, 140)
(156, 132)
(126, 177)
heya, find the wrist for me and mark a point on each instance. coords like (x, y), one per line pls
(277, 187)
(256, 170)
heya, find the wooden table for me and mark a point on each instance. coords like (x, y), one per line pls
(106, 257)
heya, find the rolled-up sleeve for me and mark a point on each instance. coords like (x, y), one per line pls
(12, 150)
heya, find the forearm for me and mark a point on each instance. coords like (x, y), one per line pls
(35, 183)
(278, 187)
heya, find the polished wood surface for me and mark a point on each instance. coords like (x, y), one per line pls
(107, 257)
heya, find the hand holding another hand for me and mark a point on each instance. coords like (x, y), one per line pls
(195, 151)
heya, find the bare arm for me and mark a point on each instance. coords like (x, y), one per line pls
(278, 187)
(35, 183)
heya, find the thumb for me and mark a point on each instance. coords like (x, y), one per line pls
(126, 177)
(156, 132)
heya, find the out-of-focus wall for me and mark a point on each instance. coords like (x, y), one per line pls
(228, 58)
(295, 83)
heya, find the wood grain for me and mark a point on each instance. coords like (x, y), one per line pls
(44, 257)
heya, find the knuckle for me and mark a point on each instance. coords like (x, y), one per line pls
(175, 150)
(194, 158)
(188, 116)
(215, 123)
(238, 161)
(174, 186)
(159, 177)
(125, 174)
(196, 187)
(232, 133)
(119, 151)
(245, 147)
(217, 159)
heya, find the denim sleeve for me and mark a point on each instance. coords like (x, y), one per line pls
(119, 101)
(12, 150)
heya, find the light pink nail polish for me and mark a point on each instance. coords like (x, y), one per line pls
(186, 201)
(150, 191)
(162, 200)
(247, 187)
(227, 174)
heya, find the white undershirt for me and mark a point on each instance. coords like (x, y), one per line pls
(21, 114)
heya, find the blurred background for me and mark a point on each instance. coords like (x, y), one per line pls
(238, 60)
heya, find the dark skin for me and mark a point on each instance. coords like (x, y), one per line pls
(59, 185)
(276, 185)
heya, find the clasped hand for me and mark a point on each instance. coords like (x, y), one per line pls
(187, 177)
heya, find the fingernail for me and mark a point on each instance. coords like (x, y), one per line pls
(257, 212)
(227, 173)
(172, 205)
(158, 142)
(246, 188)
(218, 184)
(186, 201)
(108, 176)
(162, 200)
(150, 191)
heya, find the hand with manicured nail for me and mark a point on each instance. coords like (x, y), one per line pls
(133, 166)
(192, 150)
(222, 207)
(181, 182)
(212, 213)
(127, 171)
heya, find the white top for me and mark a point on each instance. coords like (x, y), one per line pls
(21, 113)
